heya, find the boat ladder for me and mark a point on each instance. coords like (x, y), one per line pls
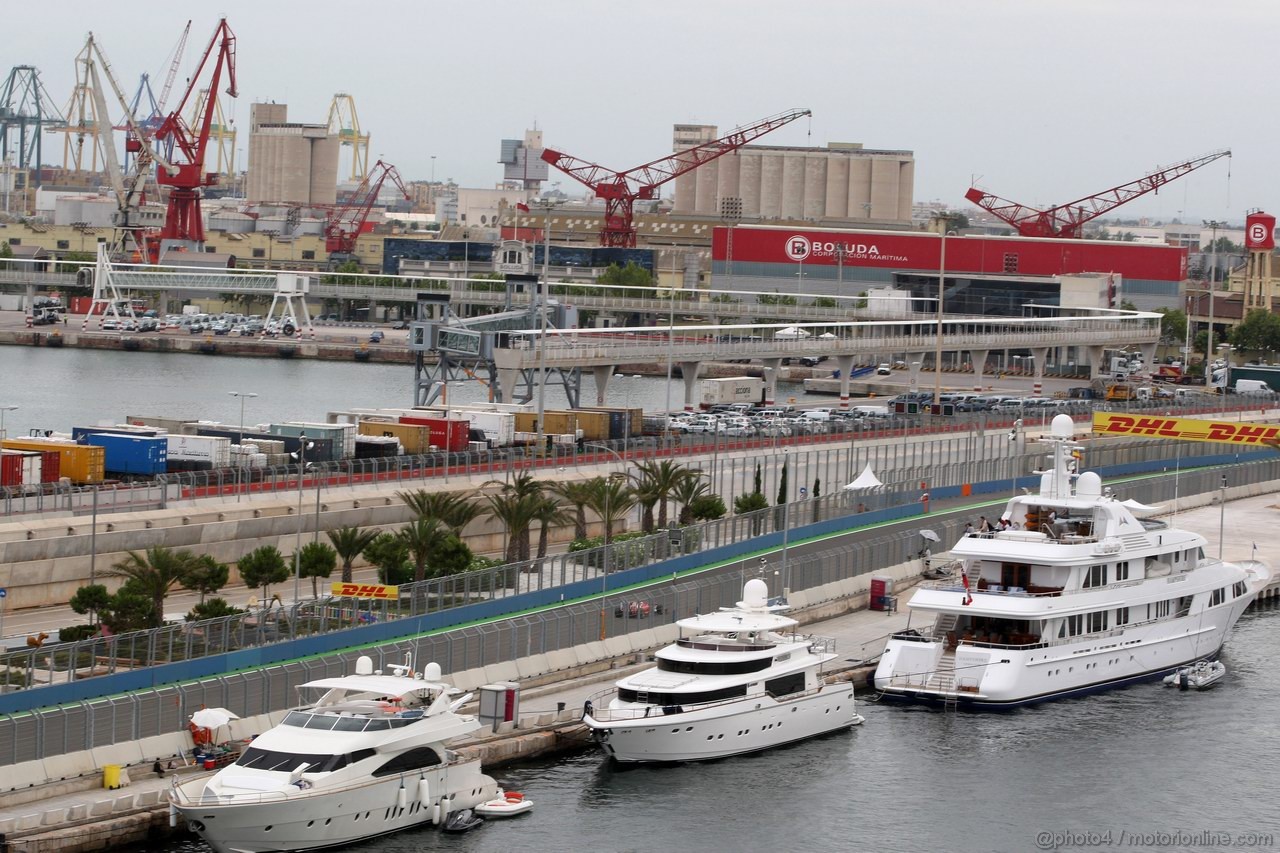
(945, 624)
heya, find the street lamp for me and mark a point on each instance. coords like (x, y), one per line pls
(303, 447)
(1213, 285)
(4, 409)
(547, 206)
(607, 557)
(241, 395)
(937, 354)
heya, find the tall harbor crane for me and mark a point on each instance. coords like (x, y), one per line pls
(621, 190)
(347, 220)
(1067, 220)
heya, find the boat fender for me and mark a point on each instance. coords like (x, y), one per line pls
(444, 809)
(424, 791)
(1184, 679)
(173, 816)
(402, 796)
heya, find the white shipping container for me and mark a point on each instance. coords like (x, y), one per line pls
(733, 389)
(345, 433)
(499, 428)
(32, 466)
(214, 449)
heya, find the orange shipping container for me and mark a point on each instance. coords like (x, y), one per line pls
(79, 463)
(415, 439)
(554, 422)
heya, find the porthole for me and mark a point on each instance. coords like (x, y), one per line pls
(310, 824)
(267, 828)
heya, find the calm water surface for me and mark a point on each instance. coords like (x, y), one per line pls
(1139, 760)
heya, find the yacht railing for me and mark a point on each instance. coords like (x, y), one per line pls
(600, 711)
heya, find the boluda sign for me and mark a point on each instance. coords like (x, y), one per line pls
(364, 590)
(1187, 429)
(801, 248)
(1260, 231)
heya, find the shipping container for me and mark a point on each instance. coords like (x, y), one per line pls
(51, 468)
(32, 465)
(78, 463)
(499, 428)
(343, 435)
(139, 455)
(174, 425)
(78, 433)
(446, 433)
(377, 447)
(320, 449)
(594, 425)
(732, 389)
(415, 438)
(554, 421)
(623, 421)
(10, 468)
(213, 449)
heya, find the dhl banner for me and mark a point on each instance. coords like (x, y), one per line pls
(364, 590)
(1187, 429)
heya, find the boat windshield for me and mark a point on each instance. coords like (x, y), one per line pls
(344, 723)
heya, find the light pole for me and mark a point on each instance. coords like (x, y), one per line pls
(242, 395)
(607, 557)
(4, 409)
(547, 206)
(1222, 513)
(937, 354)
(1213, 285)
(297, 545)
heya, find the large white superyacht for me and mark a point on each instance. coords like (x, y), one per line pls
(741, 680)
(370, 756)
(1081, 593)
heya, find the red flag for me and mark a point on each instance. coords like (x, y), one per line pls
(964, 577)
(522, 207)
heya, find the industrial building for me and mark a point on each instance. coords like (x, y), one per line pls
(290, 162)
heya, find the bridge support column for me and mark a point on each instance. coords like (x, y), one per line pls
(1149, 355)
(602, 373)
(979, 359)
(771, 366)
(689, 372)
(30, 305)
(1038, 356)
(845, 363)
(915, 360)
(1096, 368)
(508, 379)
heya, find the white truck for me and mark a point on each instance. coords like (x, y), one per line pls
(732, 389)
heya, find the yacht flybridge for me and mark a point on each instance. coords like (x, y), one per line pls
(1080, 593)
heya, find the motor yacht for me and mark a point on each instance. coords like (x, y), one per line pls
(736, 681)
(1080, 593)
(369, 756)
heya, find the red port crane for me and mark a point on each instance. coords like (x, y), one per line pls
(186, 175)
(621, 190)
(344, 226)
(1067, 220)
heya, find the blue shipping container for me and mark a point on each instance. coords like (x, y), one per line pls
(142, 455)
(78, 433)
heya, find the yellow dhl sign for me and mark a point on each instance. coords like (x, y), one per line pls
(1187, 429)
(364, 590)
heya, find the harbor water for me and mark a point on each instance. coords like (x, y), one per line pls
(60, 388)
(1148, 767)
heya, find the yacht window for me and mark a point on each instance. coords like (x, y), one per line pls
(414, 759)
(350, 724)
(287, 762)
(296, 718)
(377, 725)
(1158, 610)
(702, 667)
(1239, 588)
(1184, 606)
(793, 683)
(652, 698)
(1095, 576)
(1122, 570)
(1097, 621)
(1122, 616)
(319, 721)
(1072, 626)
(1217, 597)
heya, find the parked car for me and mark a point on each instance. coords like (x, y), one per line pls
(884, 370)
(375, 337)
(400, 325)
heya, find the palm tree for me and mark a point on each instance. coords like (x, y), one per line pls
(455, 510)
(350, 543)
(422, 537)
(656, 482)
(153, 573)
(515, 513)
(548, 512)
(577, 494)
(686, 494)
(612, 498)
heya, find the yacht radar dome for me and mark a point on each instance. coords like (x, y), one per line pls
(755, 595)
(431, 672)
(364, 665)
(1063, 427)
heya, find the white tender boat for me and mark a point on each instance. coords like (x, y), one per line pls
(506, 804)
(740, 680)
(1199, 676)
(1082, 593)
(368, 757)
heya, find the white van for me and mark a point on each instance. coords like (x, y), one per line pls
(819, 415)
(1252, 386)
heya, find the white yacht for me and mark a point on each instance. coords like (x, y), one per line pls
(1081, 593)
(368, 757)
(741, 680)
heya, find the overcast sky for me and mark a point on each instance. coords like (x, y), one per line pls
(1038, 102)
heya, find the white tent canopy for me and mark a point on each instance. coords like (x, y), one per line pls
(866, 480)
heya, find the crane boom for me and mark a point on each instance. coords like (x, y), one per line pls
(620, 190)
(1067, 220)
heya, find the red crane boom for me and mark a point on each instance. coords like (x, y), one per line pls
(1067, 220)
(342, 229)
(621, 190)
(187, 175)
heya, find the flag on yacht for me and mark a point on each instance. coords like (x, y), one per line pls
(964, 577)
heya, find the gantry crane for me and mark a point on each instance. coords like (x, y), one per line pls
(1067, 220)
(146, 109)
(347, 220)
(344, 122)
(186, 175)
(621, 190)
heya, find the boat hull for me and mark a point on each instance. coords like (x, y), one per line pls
(315, 819)
(727, 729)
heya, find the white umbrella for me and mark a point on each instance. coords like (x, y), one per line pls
(930, 535)
(866, 480)
(212, 718)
